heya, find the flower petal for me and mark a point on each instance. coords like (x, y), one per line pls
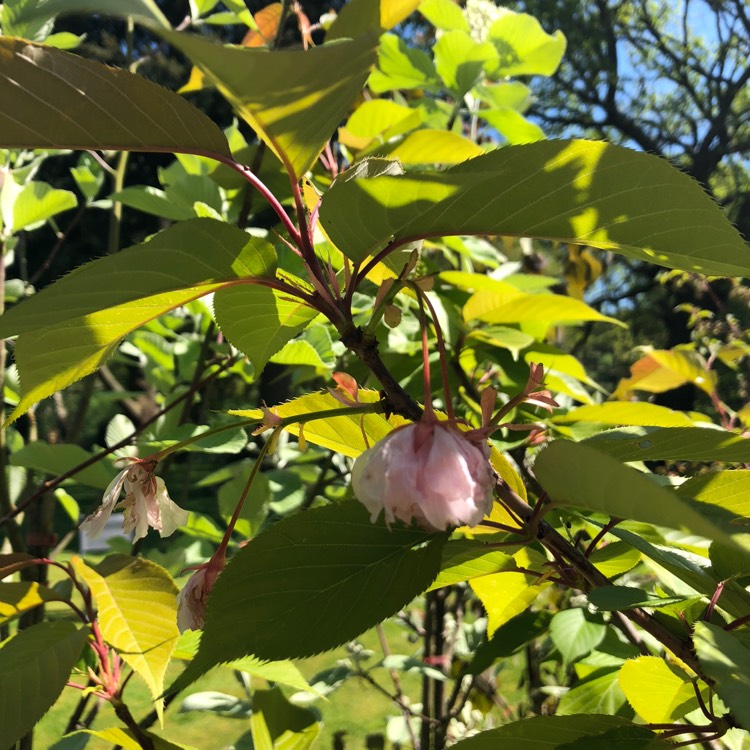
(94, 524)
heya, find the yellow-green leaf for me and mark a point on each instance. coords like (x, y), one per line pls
(627, 413)
(490, 307)
(293, 99)
(17, 597)
(434, 147)
(137, 604)
(662, 370)
(504, 595)
(657, 691)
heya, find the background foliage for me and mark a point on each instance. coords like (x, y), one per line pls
(206, 229)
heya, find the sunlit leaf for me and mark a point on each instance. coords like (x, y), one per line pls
(489, 307)
(357, 17)
(124, 738)
(70, 328)
(523, 47)
(663, 370)
(343, 434)
(505, 595)
(434, 147)
(401, 67)
(293, 99)
(18, 597)
(61, 100)
(137, 603)
(465, 559)
(36, 202)
(627, 413)
(657, 691)
(552, 189)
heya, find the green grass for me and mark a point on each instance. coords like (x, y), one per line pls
(356, 708)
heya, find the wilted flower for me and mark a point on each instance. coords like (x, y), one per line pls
(146, 503)
(191, 601)
(428, 471)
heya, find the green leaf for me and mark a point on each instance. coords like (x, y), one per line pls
(401, 67)
(379, 119)
(276, 318)
(726, 661)
(512, 125)
(598, 693)
(200, 255)
(18, 597)
(61, 100)
(35, 665)
(556, 732)
(576, 632)
(142, 10)
(514, 634)
(70, 328)
(562, 190)
(281, 672)
(151, 200)
(293, 99)
(691, 569)
(277, 724)
(137, 603)
(615, 598)
(672, 444)
(36, 202)
(615, 559)
(313, 347)
(727, 489)
(576, 474)
(459, 60)
(310, 583)
(523, 47)
(58, 458)
(434, 147)
(658, 692)
(444, 15)
(634, 413)
(465, 559)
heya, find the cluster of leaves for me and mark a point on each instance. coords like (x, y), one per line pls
(630, 580)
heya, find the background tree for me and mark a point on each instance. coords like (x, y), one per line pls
(670, 79)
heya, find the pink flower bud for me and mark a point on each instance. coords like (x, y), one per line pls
(191, 601)
(429, 472)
